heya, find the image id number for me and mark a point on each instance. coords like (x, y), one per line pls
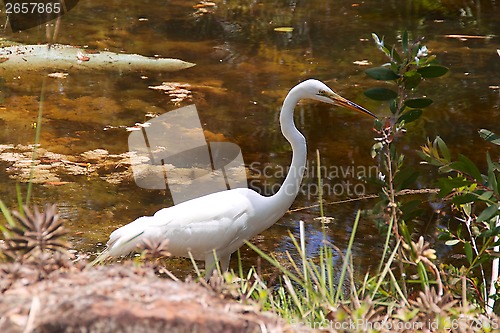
(32, 8)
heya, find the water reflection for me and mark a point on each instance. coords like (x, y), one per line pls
(244, 69)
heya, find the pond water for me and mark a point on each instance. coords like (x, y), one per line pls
(244, 68)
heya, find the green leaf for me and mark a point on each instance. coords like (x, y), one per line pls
(452, 242)
(382, 74)
(395, 55)
(466, 166)
(459, 230)
(468, 252)
(412, 79)
(482, 259)
(464, 198)
(380, 44)
(471, 168)
(492, 181)
(404, 42)
(418, 103)
(444, 235)
(410, 209)
(498, 184)
(446, 185)
(406, 234)
(432, 71)
(490, 232)
(375, 149)
(381, 94)
(485, 196)
(404, 178)
(443, 148)
(410, 116)
(488, 213)
(393, 105)
(489, 136)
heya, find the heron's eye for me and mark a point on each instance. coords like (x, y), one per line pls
(322, 93)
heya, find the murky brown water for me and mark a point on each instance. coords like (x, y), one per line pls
(244, 70)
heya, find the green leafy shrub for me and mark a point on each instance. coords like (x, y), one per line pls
(475, 197)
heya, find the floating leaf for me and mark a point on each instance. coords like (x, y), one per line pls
(382, 73)
(410, 116)
(283, 29)
(489, 136)
(418, 103)
(381, 94)
(432, 71)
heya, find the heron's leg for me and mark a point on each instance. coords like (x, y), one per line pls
(224, 263)
(209, 266)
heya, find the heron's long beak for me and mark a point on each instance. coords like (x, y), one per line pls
(341, 101)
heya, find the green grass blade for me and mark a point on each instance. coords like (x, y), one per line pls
(273, 261)
(37, 139)
(387, 268)
(386, 245)
(6, 213)
(346, 259)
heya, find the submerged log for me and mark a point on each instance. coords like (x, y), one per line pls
(66, 58)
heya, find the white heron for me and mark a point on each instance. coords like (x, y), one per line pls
(214, 226)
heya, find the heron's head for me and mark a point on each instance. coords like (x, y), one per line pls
(319, 91)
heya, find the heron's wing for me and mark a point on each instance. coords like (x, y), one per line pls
(198, 226)
(203, 224)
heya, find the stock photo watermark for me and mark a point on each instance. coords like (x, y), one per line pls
(26, 14)
(336, 180)
(171, 151)
(455, 325)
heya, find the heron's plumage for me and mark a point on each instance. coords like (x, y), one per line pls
(198, 226)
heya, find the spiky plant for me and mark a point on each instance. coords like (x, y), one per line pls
(154, 249)
(35, 233)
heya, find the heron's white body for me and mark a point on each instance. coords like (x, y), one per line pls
(223, 221)
(220, 221)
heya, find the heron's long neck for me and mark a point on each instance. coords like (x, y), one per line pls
(290, 187)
